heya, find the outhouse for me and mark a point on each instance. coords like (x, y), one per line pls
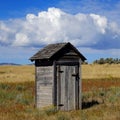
(58, 76)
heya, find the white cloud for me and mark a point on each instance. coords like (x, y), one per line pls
(21, 40)
(100, 21)
(54, 25)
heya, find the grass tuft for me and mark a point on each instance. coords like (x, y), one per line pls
(51, 110)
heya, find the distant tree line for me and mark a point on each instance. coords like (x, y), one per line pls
(107, 61)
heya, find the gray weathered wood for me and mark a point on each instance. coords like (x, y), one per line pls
(80, 86)
(44, 85)
(54, 89)
(62, 49)
(67, 88)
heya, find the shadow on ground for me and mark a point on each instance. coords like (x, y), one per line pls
(92, 103)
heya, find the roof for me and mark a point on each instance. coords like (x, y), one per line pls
(52, 49)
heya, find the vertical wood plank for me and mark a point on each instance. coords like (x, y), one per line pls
(35, 86)
(58, 87)
(80, 85)
(66, 76)
(63, 86)
(54, 89)
(77, 87)
(70, 88)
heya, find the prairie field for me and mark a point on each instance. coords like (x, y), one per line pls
(100, 95)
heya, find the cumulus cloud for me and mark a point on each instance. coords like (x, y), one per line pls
(99, 21)
(54, 25)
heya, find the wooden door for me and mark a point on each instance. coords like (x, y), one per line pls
(68, 87)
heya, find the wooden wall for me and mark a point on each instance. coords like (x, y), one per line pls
(44, 86)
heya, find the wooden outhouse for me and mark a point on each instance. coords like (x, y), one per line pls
(58, 76)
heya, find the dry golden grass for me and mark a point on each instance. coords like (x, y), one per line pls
(17, 73)
(94, 71)
(27, 73)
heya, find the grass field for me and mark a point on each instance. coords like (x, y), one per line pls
(100, 86)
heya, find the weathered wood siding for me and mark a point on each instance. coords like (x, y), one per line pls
(44, 86)
(67, 90)
(80, 85)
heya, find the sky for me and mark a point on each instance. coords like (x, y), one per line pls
(92, 26)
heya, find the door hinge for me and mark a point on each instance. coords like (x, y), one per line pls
(74, 75)
(60, 71)
(60, 105)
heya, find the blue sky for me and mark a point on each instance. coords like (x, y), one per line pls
(93, 26)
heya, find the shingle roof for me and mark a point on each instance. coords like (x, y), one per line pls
(50, 50)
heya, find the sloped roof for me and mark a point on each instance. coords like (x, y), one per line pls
(49, 51)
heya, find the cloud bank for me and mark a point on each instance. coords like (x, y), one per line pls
(54, 25)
